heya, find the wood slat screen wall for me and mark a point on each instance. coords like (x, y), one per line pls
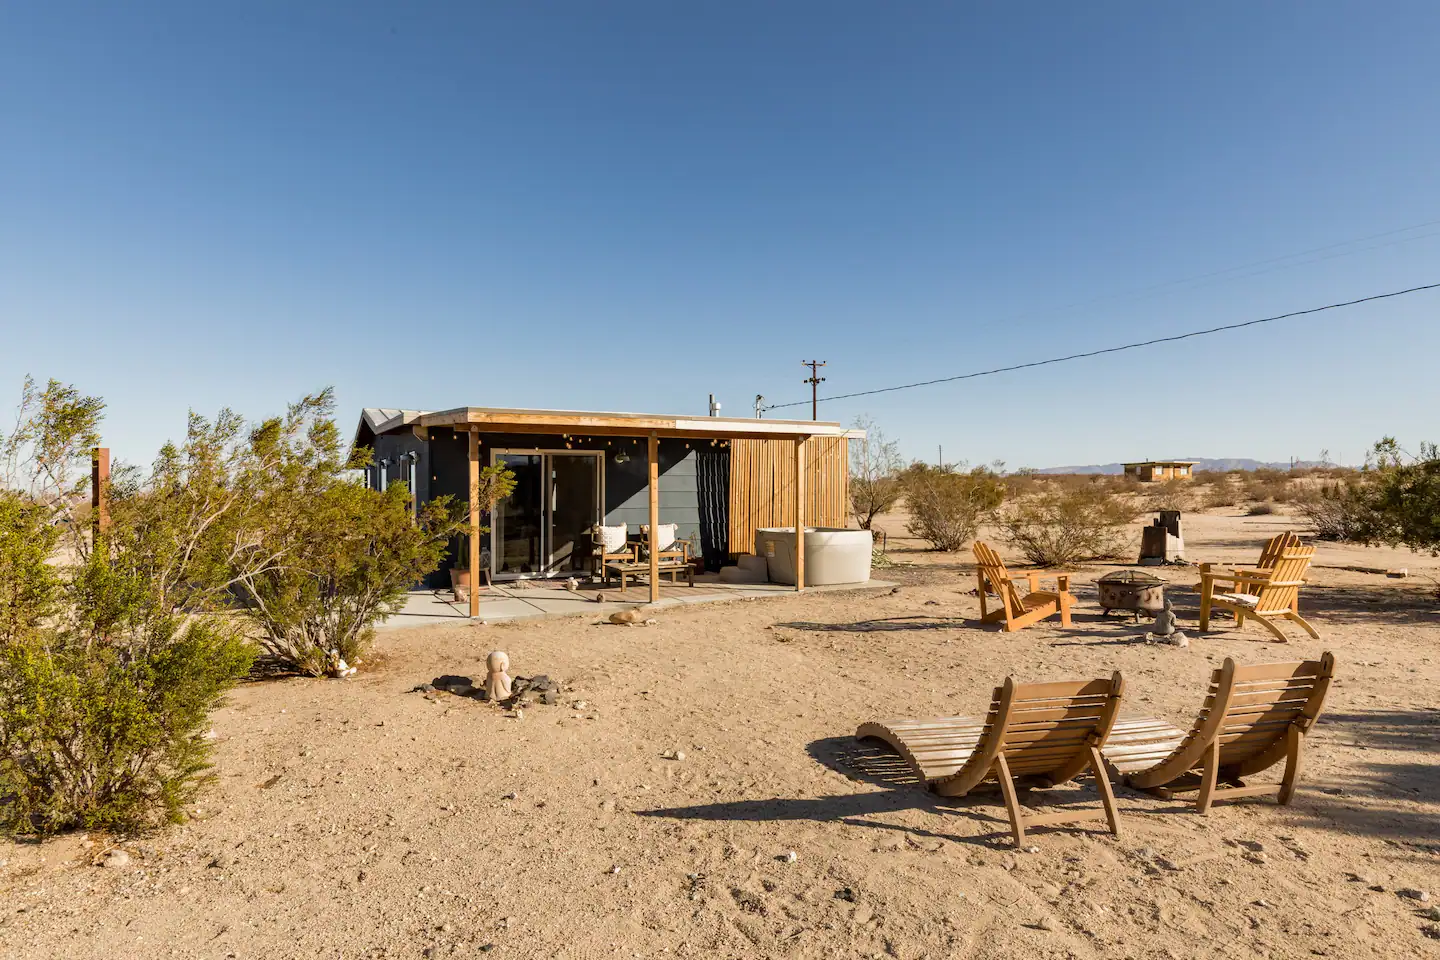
(762, 486)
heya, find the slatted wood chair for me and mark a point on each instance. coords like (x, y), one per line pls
(1269, 556)
(1277, 545)
(1265, 597)
(1045, 732)
(1253, 718)
(1016, 611)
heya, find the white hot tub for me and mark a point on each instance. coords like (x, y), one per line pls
(832, 554)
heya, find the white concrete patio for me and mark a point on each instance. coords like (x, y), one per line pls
(536, 599)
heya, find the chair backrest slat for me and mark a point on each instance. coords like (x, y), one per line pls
(1280, 592)
(1044, 728)
(997, 577)
(1249, 709)
(1277, 545)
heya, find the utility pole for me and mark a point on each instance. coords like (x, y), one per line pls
(814, 382)
(759, 406)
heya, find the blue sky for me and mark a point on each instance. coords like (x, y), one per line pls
(631, 205)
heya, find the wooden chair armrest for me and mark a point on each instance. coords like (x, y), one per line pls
(1235, 577)
(1062, 580)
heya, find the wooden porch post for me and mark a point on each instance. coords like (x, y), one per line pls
(475, 576)
(799, 514)
(653, 454)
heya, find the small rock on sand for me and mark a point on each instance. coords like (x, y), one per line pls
(116, 860)
(1410, 893)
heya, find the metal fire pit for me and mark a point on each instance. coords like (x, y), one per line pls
(1132, 590)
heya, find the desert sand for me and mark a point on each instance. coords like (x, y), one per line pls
(357, 818)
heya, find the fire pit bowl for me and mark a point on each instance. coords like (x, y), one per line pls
(1132, 590)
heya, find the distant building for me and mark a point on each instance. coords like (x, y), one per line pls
(1150, 471)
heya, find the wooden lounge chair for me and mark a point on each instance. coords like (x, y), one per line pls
(1253, 718)
(1016, 611)
(1050, 732)
(1265, 596)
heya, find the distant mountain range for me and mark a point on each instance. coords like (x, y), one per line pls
(1237, 463)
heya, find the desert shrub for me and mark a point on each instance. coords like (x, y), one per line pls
(1260, 510)
(948, 504)
(875, 466)
(109, 736)
(350, 559)
(1024, 481)
(29, 582)
(1266, 484)
(1337, 512)
(1396, 501)
(1171, 494)
(1063, 528)
(103, 699)
(269, 521)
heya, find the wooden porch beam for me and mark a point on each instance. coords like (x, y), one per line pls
(799, 514)
(475, 577)
(653, 454)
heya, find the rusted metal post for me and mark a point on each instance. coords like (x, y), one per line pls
(100, 491)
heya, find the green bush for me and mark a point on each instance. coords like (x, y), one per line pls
(104, 694)
(29, 583)
(348, 562)
(1064, 528)
(1398, 501)
(947, 505)
(113, 737)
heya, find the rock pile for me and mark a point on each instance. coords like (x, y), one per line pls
(523, 691)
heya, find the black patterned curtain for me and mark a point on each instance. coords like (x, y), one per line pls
(712, 472)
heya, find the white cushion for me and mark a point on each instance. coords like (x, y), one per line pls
(1240, 599)
(613, 538)
(665, 532)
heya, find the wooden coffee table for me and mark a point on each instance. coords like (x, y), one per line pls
(635, 568)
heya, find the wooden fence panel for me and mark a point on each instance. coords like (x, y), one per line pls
(762, 486)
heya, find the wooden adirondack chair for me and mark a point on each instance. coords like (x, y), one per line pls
(1262, 596)
(1253, 718)
(1050, 732)
(1269, 556)
(1016, 611)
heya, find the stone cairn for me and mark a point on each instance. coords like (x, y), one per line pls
(499, 687)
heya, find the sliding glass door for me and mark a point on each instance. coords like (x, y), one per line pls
(543, 528)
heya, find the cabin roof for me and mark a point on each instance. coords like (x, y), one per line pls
(380, 420)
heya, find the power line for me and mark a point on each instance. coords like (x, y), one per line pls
(1105, 350)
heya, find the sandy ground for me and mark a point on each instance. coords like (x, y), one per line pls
(358, 819)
